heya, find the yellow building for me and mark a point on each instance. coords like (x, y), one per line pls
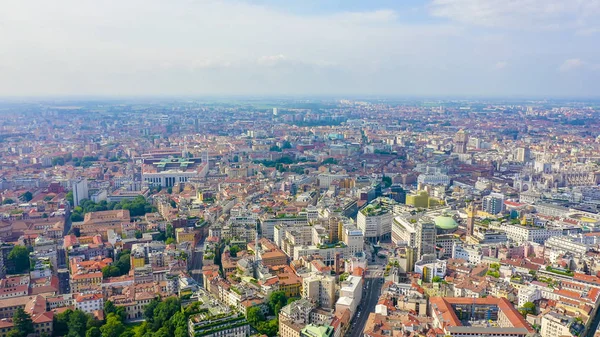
(85, 281)
(422, 200)
(185, 235)
(137, 261)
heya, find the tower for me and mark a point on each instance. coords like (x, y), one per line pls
(460, 142)
(471, 213)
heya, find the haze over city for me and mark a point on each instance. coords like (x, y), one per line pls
(204, 168)
(541, 48)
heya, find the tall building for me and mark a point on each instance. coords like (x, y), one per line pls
(80, 191)
(522, 154)
(398, 194)
(334, 227)
(461, 139)
(375, 221)
(493, 203)
(471, 214)
(320, 289)
(425, 238)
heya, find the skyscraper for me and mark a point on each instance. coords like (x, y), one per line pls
(471, 213)
(460, 142)
(80, 191)
(425, 238)
(493, 203)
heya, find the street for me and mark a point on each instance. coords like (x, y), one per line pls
(197, 255)
(372, 289)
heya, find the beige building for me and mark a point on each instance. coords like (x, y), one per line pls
(320, 289)
(555, 324)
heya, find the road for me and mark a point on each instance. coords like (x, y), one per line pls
(372, 290)
(197, 255)
(67, 223)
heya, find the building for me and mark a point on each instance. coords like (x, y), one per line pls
(232, 324)
(185, 235)
(522, 154)
(167, 172)
(294, 317)
(320, 289)
(425, 237)
(449, 313)
(312, 330)
(89, 302)
(80, 191)
(493, 203)
(555, 324)
(375, 221)
(520, 233)
(429, 267)
(350, 294)
(461, 139)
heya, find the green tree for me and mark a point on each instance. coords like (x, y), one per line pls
(93, 332)
(8, 201)
(234, 250)
(19, 257)
(170, 232)
(77, 323)
(22, 322)
(169, 241)
(111, 271)
(113, 327)
(254, 316)
(529, 307)
(27, 196)
(277, 300)
(138, 234)
(436, 279)
(149, 310)
(109, 308)
(76, 217)
(387, 181)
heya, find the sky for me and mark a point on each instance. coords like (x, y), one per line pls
(495, 48)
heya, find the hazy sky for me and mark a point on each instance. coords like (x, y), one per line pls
(300, 47)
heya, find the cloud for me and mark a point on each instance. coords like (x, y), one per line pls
(500, 65)
(535, 15)
(227, 46)
(571, 64)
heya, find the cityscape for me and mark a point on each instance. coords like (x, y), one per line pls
(300, 217)
(308, 168)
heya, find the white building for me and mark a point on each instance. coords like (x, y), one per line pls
(493, 203)
(89, 302)
(555, 324)
(521, 233)
(375, 223)
(80, 191)
(350, 294)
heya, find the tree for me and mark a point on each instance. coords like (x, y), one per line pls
(111, 271)
(234, 250)
(27, 196)
(149, 310)
(529, 307)
(76, 217)
(109, 308)
(8, 201)
(277, 300)
(93, 332)
(387, 181)
(169, 241)
(22, 322)
(436, 279)
(69, 198)
(77, 323)
(113, 327)
(255, 315)
(138, 234)
(19, 257)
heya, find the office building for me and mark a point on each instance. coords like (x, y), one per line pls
(493, 203)
(80, 191)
